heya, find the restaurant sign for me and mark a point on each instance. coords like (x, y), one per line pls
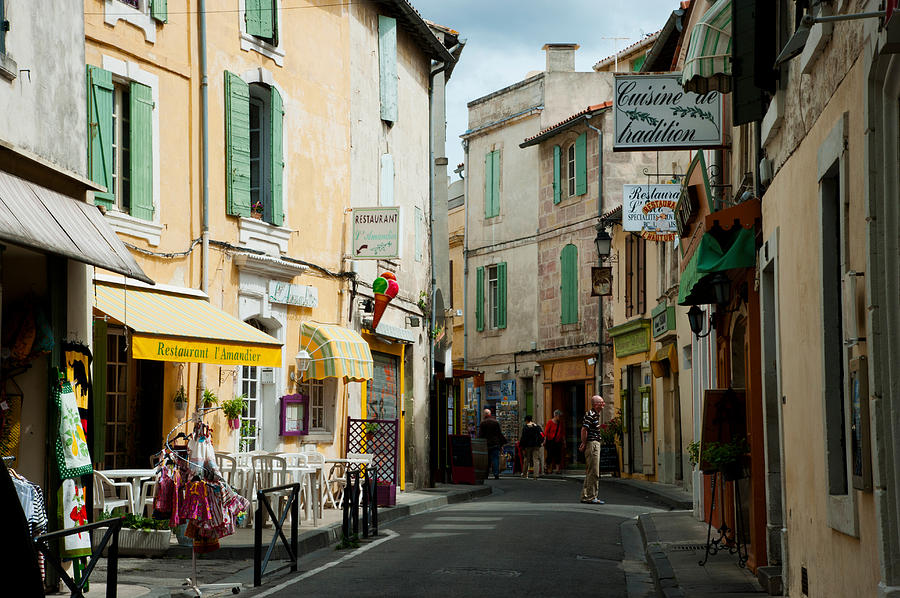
(654, 112)
(204, 351)
(293, 294)
(650, 210)
(376, 233)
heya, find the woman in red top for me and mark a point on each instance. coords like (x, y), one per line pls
(555, 434)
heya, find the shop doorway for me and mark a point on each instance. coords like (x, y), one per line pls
(634, 445)
(569, 397)
(149, 398)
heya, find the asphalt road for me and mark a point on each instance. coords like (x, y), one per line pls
(529, 538)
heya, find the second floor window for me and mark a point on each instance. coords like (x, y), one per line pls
(494, 278)
(570, 170)
(261, 19)
(635, 275)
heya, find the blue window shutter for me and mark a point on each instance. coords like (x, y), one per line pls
(501, 295)
(277, 163)
(100, 108)
(488, 184)
(581, 164)
(479, 298)
(557, 158)
(141, 151)
(387, 67)
(237, 146)
(569, 284)
(159, 10)
(386, 197)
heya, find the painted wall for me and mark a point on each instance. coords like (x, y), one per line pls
(456, 226)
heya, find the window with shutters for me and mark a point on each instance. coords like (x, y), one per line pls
(321, 395)
(260, 30)
(568, 284)
(4, 25)
(143, 14)
(635, 275)
(492, 184)
(496, 295)
(123, 155)
(570, 170)
(253, 150)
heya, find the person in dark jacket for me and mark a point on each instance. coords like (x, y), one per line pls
(490, 431)
(531, 440)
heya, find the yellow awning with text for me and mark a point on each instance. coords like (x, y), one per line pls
(168, 326)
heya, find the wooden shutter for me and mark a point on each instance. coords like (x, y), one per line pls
(501, 295)
(100, 94)
(641, 273)
(277, 157)
(387, 180)
(98, 443)
(629, 276)
(159, 10)
(495, 183)
(237, 146)
(581, 164)
(260, 18)
(479, 298)
(569, 284)
(754, 47)
(141, 151)
(488, 184)
(387, 67)
(557, 189)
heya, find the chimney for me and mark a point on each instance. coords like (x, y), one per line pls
(560, 57)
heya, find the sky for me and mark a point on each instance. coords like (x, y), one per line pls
(504, 40)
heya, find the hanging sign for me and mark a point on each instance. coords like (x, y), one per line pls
(650, 210)
(654, 112)
(293, 294)
(376, 233)
(601, 281)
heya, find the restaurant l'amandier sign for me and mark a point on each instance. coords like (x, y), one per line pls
(654, 112)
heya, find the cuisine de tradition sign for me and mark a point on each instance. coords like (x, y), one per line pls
(654, 112)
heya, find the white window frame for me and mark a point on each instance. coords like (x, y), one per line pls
(261, 99)
(493, 295)
(322, 398)
(120, 173)
(122, 222)
(115, 11)
(255, 44)
(251, 374)
(570, 170)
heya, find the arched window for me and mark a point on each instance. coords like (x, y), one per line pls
(569, 284)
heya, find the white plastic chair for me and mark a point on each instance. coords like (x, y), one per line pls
(270, 471)
(296, 463)
(227, 464)
(108, 495)
(148, 497)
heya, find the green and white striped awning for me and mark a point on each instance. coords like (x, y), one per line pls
(707, 65)
(336, 352)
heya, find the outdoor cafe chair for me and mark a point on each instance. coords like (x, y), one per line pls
(227, 465)
(109, 495)
(270, 471)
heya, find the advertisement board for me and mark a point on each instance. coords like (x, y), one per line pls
(650, 210)
(376, 233)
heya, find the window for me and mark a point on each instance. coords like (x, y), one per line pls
(635, 275)
(568, 284)
(570, 170)
(496, 299)
(383, 390)
(253, 150)
(492, 184)
(131, 3)
(315, 391)
(120, 143)
(250, 419)
(493, 296)
(117, 405)
(143, 14)
(4, 25)
(261, 19)
(387, 68)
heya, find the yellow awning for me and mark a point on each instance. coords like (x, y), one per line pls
(335, 352)
(183, 328)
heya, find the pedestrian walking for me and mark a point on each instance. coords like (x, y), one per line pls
(531, 440)
(590, 445)
(490, 431)
(555, 442)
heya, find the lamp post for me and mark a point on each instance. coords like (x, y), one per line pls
(603, 242)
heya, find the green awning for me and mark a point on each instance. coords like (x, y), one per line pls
(707, 64)
(737, 250)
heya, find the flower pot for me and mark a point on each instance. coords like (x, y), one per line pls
(135, 542)
(234, 423)
(256, 215)
(386, 495)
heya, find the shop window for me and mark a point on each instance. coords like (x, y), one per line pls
(254, 162)
(383, 390)
(118, 416)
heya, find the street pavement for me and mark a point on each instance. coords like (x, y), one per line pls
(505, 538)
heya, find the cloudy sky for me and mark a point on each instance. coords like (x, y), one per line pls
(504, 39)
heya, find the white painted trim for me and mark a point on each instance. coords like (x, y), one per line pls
(257, 234)
(121, 222)
(131, 282)
(251, 42)
(771, 122)
(819, 36)
(115, 11)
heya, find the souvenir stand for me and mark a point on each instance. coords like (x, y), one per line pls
(192, 490)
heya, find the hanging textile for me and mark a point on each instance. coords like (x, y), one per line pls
(10, 425)
(72, 455)
(78, 369)
(17, 552)
(73, 513)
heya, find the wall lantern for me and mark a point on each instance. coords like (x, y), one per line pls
(696, 318)
(721, 287)
(603, 242)
(302, 358)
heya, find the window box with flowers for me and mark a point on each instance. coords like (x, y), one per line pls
(257, 210)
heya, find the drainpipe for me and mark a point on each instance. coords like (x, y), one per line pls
(204, 161)
(465, 145)
(599, 215)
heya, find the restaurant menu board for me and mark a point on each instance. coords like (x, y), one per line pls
(383, 390)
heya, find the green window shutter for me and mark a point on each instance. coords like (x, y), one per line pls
(159, 10)
(488, 184)
(495, 180)
(141, 151)
(237, 146)
(638, 63)
(557, 188)
(479, 298)
(387, 67)
(98, 443)
(501, 295)
(100, 124)
(277, 106)
(569, 284)
(259, 15)
(581, 164)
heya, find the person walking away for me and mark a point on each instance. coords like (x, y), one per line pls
(555, 442)
(590, 445)
(531, 440)
(491, 432)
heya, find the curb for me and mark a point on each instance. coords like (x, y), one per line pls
(663, 495)
(660, 567)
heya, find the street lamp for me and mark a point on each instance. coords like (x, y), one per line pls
(302, 358)
(603, 242)
(721, 287)
(696, 319)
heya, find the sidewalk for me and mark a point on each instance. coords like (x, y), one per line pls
(233, 562)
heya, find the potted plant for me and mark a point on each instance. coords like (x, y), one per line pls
(139, 536)
(725, 457)
(369, 429)
(248, 435)
(257, 210)
(385, 493)
(180, 400)
(233, 409)
(209, 399)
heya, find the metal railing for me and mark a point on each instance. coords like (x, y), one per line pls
(262, 501)
(351, 503)
(43, 544)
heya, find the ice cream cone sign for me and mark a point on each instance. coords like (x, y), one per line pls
(385, 288)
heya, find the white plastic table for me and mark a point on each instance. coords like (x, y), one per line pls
(136, 477)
